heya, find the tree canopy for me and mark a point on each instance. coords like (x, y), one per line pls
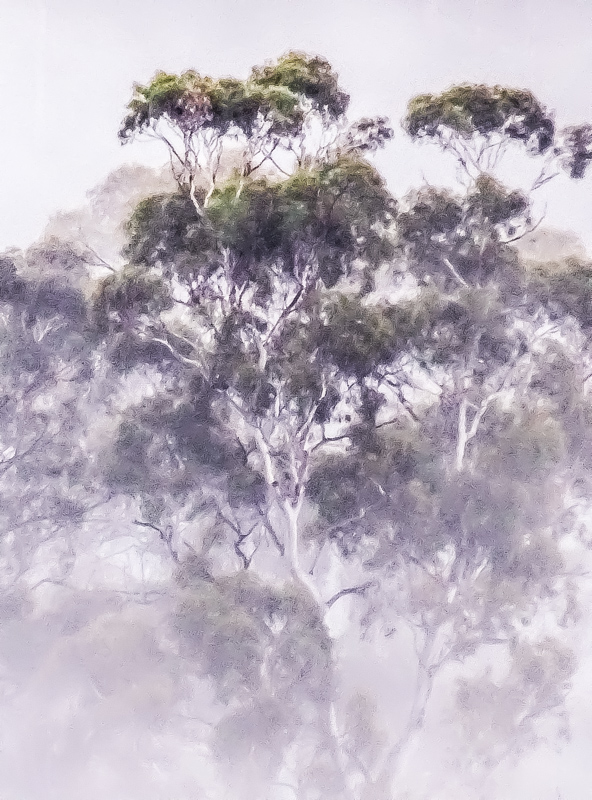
(329, 419)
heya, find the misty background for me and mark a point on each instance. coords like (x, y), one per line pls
(66, 73)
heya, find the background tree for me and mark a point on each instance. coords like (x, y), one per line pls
(47, 370)
(478, 123)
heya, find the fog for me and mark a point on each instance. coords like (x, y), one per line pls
(273, 528)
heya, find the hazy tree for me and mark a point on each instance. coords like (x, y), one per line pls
(308, 440)
(47, 367)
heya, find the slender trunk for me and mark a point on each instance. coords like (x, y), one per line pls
(337, 752)
(393, 763)
(292, 508)
(292, 511)
(462, 435)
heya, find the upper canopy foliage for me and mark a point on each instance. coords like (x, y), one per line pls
(470, 109)
(193, 102)
(305, 76)
(328, 217)
(275, 92)
(286, 114)
(475, 122)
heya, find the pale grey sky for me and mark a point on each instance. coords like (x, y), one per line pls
(67, 66)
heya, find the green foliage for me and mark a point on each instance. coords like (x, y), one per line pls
(368, 134)
(357, 337)
(223, 637)
(244, 632)
(275, 92)
(396, 487)
(165, 228)
(124, 297)
(442, 234)
(334, 214)
(393, 470)
(432, 213)
(312, 78)
(129, 352)
(494, 204)
(333, 217)
(165, 450)
(577, 149)
(470, 318)
(184, 99)
(470, 109)
(565, 291)
(295, 363)
(237, 105)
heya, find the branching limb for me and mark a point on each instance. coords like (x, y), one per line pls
(528, 230)
(166, 536)
(183, 359)
(448, 264)
(464, 435)
(360, 590)
(269, 528)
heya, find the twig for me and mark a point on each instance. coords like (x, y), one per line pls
(448, 263)
(166, 537)
(362, 589)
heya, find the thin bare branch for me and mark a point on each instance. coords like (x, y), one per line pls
(360, 590)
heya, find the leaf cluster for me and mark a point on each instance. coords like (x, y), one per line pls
(123, 297)
(437, 229)
(468, 110)
(236, 624)
(175, 443)
(566, 291)
(275, 92)
(576, 149)
(331, 216)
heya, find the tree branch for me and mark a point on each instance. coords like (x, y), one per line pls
(166, 537)
(447, 263)
(361, 589)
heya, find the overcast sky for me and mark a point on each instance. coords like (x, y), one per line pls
(67, 67)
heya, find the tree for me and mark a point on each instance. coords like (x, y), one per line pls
(47, 369)
(300, 420)
(477, 123)
(48, 479)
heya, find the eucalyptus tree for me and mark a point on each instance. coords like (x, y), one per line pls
(477, 124)
(47, 365)
(231, 293)
(307, 441)
(473, 532)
